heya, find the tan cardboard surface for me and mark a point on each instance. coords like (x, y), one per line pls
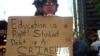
(39, 36)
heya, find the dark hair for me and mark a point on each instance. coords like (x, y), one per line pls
(38, 4)
(3, 24)
(95, 37)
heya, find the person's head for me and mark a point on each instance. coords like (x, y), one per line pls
(46, 6)
(3, 26)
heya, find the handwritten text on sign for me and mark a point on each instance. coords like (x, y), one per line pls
(33, 36)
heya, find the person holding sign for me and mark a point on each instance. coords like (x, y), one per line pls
(49, 8)
(3, 34)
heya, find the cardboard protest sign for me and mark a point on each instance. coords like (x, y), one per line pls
(39, 36)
